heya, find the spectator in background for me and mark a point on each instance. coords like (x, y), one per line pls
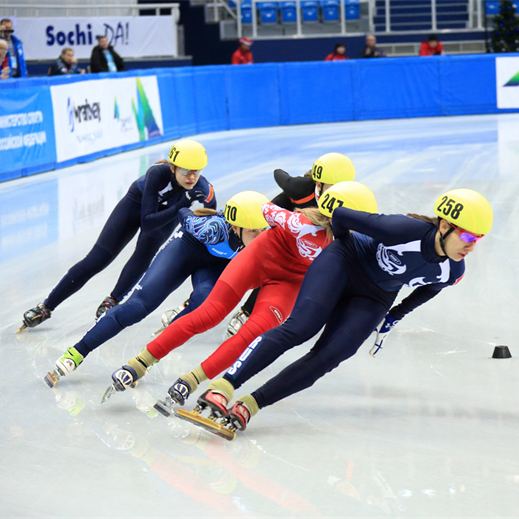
(371, 50)
(15, 49)
(431, 47)
(65, 64)
(5, 70)
(243, 55)
(104, 58)
(338, 54)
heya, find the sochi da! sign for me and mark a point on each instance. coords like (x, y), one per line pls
(131, 36)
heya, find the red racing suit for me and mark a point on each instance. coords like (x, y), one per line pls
(277, 261)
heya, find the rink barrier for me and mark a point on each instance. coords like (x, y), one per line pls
(197, 100)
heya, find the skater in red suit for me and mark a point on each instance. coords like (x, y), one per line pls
(277, 261)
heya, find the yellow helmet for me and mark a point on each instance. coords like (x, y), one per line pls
(332, 168)
(188, 154)
(350, 194)
(465, 208)
(244, 210)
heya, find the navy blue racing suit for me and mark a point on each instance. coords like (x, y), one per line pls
(201, 248)
(349, 288)
(151, 206)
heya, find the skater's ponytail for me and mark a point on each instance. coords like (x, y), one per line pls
(315, 216)
(204, 211)
(429, 219)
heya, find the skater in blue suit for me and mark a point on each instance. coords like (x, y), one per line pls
(151, 206)
(201, 249)
(350, 289)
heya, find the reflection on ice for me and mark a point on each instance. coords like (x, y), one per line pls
(428, 429)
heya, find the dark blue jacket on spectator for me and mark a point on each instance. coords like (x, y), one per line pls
(60, 68)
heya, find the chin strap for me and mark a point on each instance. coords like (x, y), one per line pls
(318, 193)
(240, 236)
(442, 239)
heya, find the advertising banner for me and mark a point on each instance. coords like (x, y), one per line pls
(26, 130)
(97, 115)
(507, 82)
(130, 36)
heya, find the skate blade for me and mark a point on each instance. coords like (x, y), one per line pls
(22, 327)
(154, 334)
(164, 407)
(108, 393)
(51, 378)
(210, 425)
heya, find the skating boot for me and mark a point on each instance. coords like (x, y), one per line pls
(177, 394)
(35, 316)
(108, 302)
(239, 416)
(236, 322)
(123, 378)
(129, 375)
(167, 317)
(66, 364)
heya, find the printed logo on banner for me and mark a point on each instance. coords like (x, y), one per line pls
(92, 116)
(507, 82)
(26, 131)
(82, 113)
(131, 36)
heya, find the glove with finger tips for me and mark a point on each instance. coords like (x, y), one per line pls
(383, 330)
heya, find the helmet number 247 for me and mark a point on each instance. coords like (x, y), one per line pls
(330, 202)
(450, 208)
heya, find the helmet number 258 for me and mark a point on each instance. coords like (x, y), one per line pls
(451, 208)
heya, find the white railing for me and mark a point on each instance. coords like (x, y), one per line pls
(476, 18)
(14, 9)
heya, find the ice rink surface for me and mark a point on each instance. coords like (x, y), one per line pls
(428, 429)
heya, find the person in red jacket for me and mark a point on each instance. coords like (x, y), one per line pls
(431, 47)
(338, 54)
(243, 55)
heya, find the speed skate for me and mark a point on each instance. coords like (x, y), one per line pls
(213, 423)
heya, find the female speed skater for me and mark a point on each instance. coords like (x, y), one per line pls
(277, 262)
(350, 288)
(202, 248)
(151, 205)
(297, 193)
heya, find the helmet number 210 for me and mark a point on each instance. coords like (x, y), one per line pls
(450, 207)
(230, 213)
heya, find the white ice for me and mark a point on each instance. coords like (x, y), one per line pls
(427, 429)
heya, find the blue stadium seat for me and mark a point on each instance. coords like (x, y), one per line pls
(268, 12)
(330, 10)
(352, 12)
(310, 11)
(288, 12)
(246, 12)
(492, 7)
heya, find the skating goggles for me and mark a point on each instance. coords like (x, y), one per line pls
(467, 236)
(186, 172)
